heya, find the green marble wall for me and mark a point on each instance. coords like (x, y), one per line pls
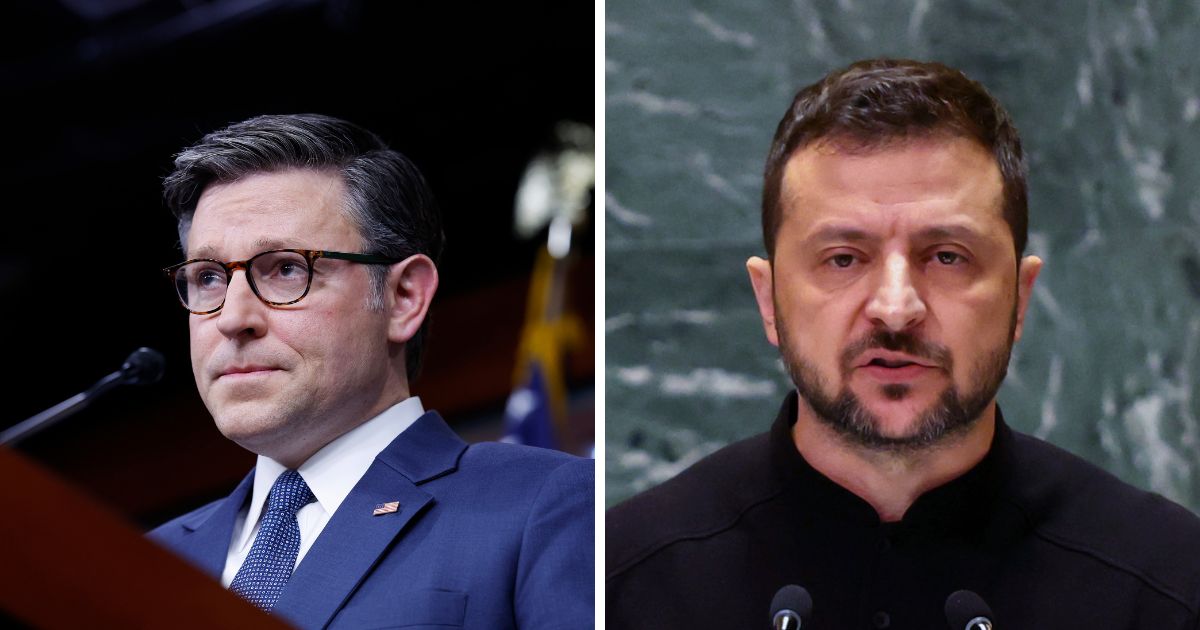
(1105, 94)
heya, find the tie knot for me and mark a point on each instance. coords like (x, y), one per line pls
(289, 494)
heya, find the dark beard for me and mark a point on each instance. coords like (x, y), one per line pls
(953, 414)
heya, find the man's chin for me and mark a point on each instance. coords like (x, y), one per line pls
(246, 433)
(247, 422)
(878, 420)
(898, 417)
(897, 430)
(909, 407)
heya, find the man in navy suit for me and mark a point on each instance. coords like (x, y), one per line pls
(363, 510)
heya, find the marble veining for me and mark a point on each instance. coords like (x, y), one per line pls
(1106, 95)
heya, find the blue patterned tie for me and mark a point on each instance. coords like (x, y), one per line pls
(273, 555)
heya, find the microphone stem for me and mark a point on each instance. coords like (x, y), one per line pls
(59, 412)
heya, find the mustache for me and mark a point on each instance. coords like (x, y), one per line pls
(897, 342)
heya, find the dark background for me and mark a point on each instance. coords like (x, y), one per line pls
(98, 96)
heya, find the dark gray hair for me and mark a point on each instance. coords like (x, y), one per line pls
(388, 199)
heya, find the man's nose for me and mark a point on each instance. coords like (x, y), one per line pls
(243, 313)
(896, 303)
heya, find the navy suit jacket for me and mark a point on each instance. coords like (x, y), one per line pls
(487, 536)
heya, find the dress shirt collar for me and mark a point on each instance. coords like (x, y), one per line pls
(332, 472)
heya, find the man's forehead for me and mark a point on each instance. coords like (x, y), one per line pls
(278, 188)
(928, 161)
(953, 182)
(297, 208)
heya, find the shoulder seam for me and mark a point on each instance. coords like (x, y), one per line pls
(656, 547)
(1076, 547)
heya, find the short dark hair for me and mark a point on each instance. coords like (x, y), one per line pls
(877, 102)
(387, 197)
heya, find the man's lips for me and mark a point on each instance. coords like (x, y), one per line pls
(893, 366)
(246, 371)
(894, 360)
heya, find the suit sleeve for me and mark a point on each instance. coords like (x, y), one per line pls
(556, 571)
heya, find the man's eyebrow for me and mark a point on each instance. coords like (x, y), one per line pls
(850, 234)
(264, 244)
(260, 245)
(951, 231)
(840, 233)
(205, 251)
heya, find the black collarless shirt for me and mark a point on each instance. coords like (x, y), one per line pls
(1045, 538)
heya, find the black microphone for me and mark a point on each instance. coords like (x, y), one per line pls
(790, 607)
(143, 367)
(966, 610)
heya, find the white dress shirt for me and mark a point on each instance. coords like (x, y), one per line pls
(331, 473)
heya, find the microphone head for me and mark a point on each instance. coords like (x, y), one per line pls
(143, 367)
(965, 609)
(791, 599)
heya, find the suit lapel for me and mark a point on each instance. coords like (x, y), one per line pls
(207, 544)
(355, 538)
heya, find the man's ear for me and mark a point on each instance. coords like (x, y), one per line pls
(764, 293)
(1027, 274)
(411, 285)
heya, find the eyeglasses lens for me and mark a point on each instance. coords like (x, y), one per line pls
(278, 277)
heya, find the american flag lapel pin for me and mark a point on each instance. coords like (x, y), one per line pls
(386, 508)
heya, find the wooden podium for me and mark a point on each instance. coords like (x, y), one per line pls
(68, 562)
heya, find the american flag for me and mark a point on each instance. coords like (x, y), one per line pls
(386, 508)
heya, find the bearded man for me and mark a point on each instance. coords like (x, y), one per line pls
(895, 285)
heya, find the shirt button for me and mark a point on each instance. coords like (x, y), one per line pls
(881, 619)
(885, 543)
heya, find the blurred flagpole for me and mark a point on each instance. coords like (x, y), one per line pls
(555, 191)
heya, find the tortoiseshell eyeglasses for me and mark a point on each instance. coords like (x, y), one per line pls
(278, 277)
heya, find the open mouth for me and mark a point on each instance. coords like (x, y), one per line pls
(895, 369)
(891, 363)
